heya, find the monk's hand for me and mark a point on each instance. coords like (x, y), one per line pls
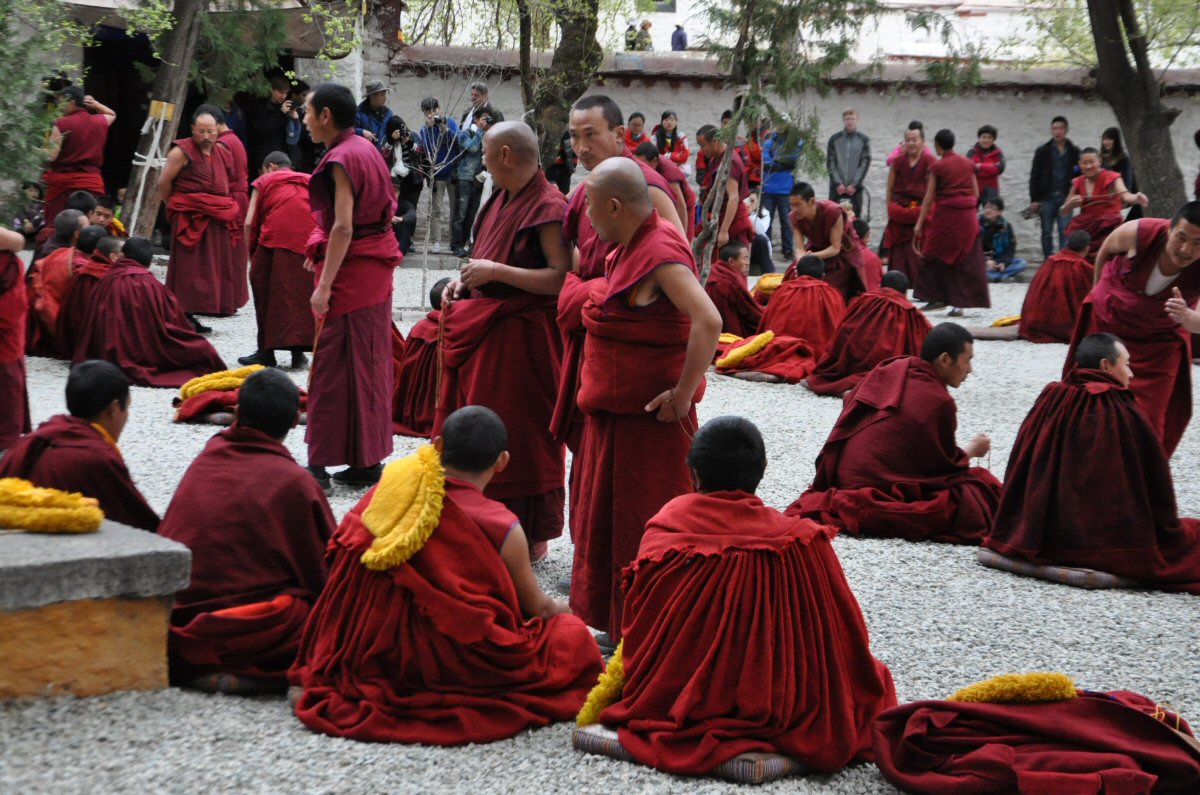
(1178, 310)
(917, 230)
(1142, 199)
(310, 266)
(320, 300)
(979, 445)
(670, 405)
(722, 238)
(478, 272)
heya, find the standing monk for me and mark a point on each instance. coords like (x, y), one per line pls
(1100, 195)
(822, 229)
(500, 346)
(278, 223)
(14, 400)
(954, 271)
(733, 220)
(1145, 282)
(239, 188)
(353, 252)
(685, 197)
(907, 182)
(651, 333)
(195, 187)
(76, 149)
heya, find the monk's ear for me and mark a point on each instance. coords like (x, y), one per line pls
(1106, 366)
(501, 463)
(438, 444)
(296, 419)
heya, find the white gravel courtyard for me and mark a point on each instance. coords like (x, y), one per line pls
(937, 618)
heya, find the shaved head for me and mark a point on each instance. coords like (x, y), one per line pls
(620, 178)
(518, 137)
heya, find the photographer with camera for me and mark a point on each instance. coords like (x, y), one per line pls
(267, 121)
(374, 114)
(438, 149)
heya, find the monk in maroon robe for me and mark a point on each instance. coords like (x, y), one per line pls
(137, 324)
(826, 233)
(908, 179)
(202, 272)
(710, 566)
(1100, 195)
(651, 334)
(681, 189)
(805, 306)
(1055, 295)
(76, 149)
(789, 359)
(78, 452)
(84, 278)
(891, 467)
(257, 525)
(954, 270)
(239, 188)
(354, 253)
(1084, 435)
(46, 286)
(726, 286)
(732, 217)
(414, 396)
(1146, 280)
(877, 326)
(500, 345)
(442, 636)
(278, 224)
(14, 399)
(871, 272)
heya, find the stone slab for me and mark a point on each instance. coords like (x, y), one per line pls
(116, 561)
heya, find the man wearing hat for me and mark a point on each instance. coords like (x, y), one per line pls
(76, 149)
(373, 114)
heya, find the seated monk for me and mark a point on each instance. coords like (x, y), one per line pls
(726, 286)
(890, 468)
(46, 282)
(83, 282)
(878, 326)
(432, 628)
(872, 267)
(1057, 291)
(134, 321)
(710, 567)
(257, 526)
(78, 452)
(805, 306)
(1085, 434)
(414, 396)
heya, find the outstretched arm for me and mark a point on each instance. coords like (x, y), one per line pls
(534, 603)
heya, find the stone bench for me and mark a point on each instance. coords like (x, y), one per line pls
(87, 614)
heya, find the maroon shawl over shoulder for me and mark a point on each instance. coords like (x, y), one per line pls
(1055, 295)
(414, 397)
(807, 308)
(726, 286)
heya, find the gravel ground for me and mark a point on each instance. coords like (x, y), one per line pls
(936, 617)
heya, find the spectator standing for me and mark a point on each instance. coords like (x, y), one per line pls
(1114, 158)
(470, 187)
(679, 39)
(479, 100)
(564, 165)
(267, 122)
(631, 35)
(644, 42)
(635, 130)
(672, 143)
(1054, 165)
(848, 157)
(989, 163)
(373, 115)
(438, 144)
(399, 152)
(779, 166)
(32, 216)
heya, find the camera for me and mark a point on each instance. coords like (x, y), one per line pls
(439, 119)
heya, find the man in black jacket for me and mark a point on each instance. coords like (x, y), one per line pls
(1054, 166)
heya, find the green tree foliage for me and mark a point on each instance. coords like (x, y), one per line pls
(496, 23)
(1057, 34)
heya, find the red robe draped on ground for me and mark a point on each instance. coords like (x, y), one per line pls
(203, 272)
(1055, 295)
(726, 286)
(80, 156)
(79, 295)
(675, 176)
(279, 235)
(1100, 213)
(435, 650)
(720, 580)
(891, 468)
(790, 358)
(69, 453)
(48, 280)
(741, 227)
(844, 269)
(1159, 349)
(137, 324)
(631, 463)
(14, 400)
(501, 349)
(1118, 742)
(878, 326)
(414, 398)
(908, 190)
(351, 378)
(1083, 436)
(954, 270)
(257, 526)
(807, 308)
(239, 190)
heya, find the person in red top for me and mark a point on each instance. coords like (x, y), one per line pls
(243, 612)
(685, 197)
(354, 252)
(753, 154)
(47, 281)
(821, 228)
(670, 140)
(1146, 280)
(726, 286)
(1100, 195)
(908, 178)
(77, 142)
(435, 631)
(954, 271)
(1052, 303)
(14, 399)
(635, 130)
(78, 451)
(989, 163)
(239, 188)
(805, 306)
(891, 467)
(500, 345)
(79, 292)
(278, 224)
(710, 567)
(651, 334)
(732, 218)
(194, 184)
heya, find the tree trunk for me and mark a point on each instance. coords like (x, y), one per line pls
(525, 19)
(576, 60)
(1135, 96)
(170, 86)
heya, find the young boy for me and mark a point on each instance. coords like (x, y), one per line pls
(989, 163)
(760, 249)
(999, 242)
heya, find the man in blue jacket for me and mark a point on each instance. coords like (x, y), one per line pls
(439, 152)
(373, 114)
(470, 188)
(779, 166)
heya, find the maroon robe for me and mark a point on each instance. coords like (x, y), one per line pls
(14, 400)
(844, 269)
(137, 324)
(48, 279)
(807, 308)
(79, 295)
(351, 379)
(789, 358)
(908, 190)
(721, 579)
(501, 349)
(1100, 212)
(80, 156)
(741, 228)
(239, 189)
(954, 270)
(1159, 349)
(877, 326)
(1055, 295)
(1083, 436)
(726, 286)
(67, 453)
(414, 397)
(891, 468)
(279, 235)
(203, 272)
(629, 464)
(435, 650)
(257, 525)
(675, 176)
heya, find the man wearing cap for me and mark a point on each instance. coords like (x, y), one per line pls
(76, 149)
(373, 114)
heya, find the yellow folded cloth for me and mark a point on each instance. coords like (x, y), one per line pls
(405, 509)
(767, 283)
(1019, 689)
(738, 355)
(24, 506)
(1009, 320)
(223, 381)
